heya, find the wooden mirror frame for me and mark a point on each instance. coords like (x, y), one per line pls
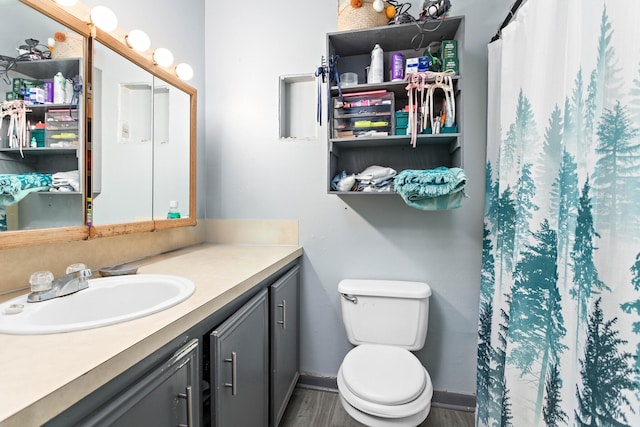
(10, 239)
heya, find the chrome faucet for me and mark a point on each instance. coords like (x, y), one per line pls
(64, 285)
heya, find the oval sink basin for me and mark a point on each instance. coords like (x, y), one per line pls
(107, 301)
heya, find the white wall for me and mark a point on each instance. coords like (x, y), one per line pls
(248, 173)
(253, 174)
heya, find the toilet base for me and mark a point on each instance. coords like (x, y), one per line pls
(374, 421)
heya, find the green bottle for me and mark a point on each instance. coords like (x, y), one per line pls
(173, 213)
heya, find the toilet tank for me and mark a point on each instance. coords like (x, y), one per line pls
(385, 312)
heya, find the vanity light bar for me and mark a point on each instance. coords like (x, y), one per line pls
(105, 19)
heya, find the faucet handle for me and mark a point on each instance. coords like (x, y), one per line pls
(75, 267)
(41, 281)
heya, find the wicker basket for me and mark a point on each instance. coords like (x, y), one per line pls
(360, 18)
(72, 47)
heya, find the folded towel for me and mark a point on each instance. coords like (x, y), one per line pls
(375, 174)
(432, 189)
(66, 181)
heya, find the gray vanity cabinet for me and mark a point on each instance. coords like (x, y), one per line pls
(284, 309)
(240, 367)
(168, 396)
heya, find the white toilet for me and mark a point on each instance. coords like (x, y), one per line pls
(380, 382)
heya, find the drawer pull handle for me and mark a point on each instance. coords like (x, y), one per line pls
(189, 397)
(283, 322)
(234, 378)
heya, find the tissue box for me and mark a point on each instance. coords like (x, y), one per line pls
(411, 66)
(35, 95)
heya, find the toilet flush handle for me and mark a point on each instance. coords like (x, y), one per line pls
(351, 298)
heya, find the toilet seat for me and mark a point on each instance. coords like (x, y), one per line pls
(383, 374)
(385, 381)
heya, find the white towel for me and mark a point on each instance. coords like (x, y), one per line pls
(66, 181)
(375, 174)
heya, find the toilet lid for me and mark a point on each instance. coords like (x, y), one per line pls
(382, 374)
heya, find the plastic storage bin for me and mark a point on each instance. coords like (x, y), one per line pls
(61, 126)
(363, 114)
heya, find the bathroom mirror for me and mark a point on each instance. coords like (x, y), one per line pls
(147, 94)
(122, 139)
(170, 162)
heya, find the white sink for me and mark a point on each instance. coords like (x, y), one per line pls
(107, 301)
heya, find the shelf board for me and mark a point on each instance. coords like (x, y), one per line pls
(399, 88)
(395, 140)
(392, 37)
(40, 151)
(363, 193)
(42, 69)
(70, 193)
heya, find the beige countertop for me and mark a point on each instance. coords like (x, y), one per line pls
(42, 375)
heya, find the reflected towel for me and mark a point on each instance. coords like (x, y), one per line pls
(66, 181)
(15, 187)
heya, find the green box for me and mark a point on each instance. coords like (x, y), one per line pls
(10, 96)
(449, 50)
(19, 83)
(38, 134)
(451, 65)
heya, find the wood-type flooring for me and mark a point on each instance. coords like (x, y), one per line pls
(315, 408)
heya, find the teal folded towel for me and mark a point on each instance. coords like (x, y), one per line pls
(432, 189)
(15, 187)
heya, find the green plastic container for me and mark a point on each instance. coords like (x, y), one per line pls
(38, 134)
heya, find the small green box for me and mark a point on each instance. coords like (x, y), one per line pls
(38, 134)
(17, 84)
(10, 96)
(451, 65)
(449, 50)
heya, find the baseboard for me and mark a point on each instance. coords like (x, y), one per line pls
(441, 399)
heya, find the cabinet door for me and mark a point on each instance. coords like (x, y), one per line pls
(284, 342)
(239, 359)
(168, 396)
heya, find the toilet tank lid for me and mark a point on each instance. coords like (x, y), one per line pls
(389, 288)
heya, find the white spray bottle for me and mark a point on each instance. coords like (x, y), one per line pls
(376, 70)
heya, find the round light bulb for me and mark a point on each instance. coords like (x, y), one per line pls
(184, 71)
(104, 18)
(138, 40)
(163, 57)
(66, 2)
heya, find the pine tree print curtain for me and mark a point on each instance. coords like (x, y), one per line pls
(559, 329)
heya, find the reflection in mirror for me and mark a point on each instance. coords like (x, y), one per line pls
(171, 151)
(122, 133)
(41, 126)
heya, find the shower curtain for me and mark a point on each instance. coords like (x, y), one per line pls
(559, 328)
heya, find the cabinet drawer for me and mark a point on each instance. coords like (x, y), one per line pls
(62, 115)
(63, 139)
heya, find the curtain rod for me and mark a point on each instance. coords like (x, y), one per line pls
(508, 19)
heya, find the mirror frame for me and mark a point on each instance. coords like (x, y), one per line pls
(11, 239)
